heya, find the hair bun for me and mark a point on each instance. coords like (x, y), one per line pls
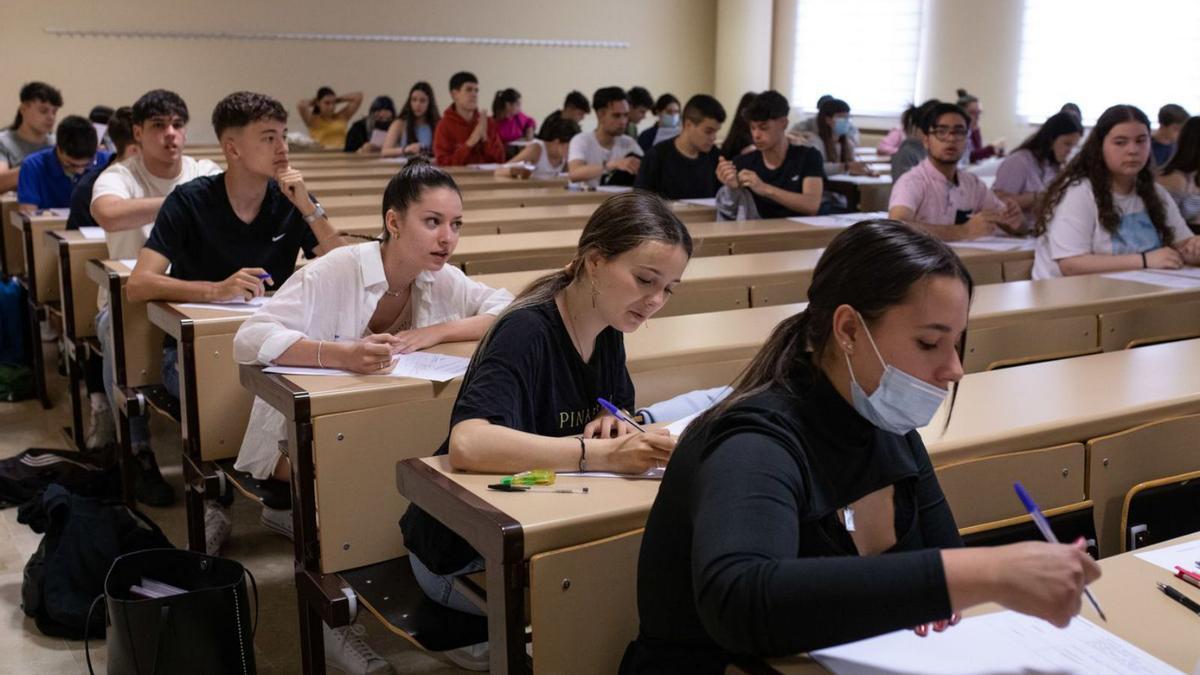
(962, 93)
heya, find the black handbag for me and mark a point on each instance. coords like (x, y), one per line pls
(205, 629)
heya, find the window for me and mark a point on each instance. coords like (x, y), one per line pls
(876, 72)
(1098, 53)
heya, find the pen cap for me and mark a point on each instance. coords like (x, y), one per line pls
(1026, 500)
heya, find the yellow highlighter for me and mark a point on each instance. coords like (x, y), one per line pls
(532, 477)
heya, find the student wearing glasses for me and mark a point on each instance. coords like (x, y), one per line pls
(48, 176)
(941, 200)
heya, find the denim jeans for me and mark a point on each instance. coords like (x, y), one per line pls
(440, 587)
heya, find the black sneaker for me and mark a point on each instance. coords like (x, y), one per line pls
(151, 489)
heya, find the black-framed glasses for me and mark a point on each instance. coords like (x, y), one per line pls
(943, 133)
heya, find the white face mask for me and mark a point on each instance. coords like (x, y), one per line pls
(669, 120)
(901, 403)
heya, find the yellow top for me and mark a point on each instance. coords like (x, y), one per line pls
(329, 132)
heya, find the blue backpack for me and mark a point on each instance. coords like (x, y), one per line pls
(13, 348)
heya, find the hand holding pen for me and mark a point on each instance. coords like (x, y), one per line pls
(1043, 526)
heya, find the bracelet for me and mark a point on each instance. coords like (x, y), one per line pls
(1144, 263)
(320, 343)
(582, 455)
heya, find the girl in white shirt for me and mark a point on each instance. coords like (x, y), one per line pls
(1105, 213)
(357, 306)
(547, 153)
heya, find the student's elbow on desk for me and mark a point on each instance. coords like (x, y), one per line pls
(465, 444)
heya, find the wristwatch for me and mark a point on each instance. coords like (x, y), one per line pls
(317, 213)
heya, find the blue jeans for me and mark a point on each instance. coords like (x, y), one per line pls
(139, 428)
(170, 373)
(440, 587)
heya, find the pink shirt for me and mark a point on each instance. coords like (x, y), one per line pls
(513, 128)
(937, 201)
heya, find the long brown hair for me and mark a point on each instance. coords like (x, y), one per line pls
(411, 121)
(836, 147)
(871, 266)
(620, 224)
(1187, 152)
(1089, 165)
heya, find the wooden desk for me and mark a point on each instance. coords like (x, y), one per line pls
(1137, 613)
(137, 344)
(12, 257)
(78, 293)
(366, 204)
(39, 258)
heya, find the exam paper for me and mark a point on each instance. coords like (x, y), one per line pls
(650, 474)
(92, 232)
(862, 180)
(421, 365)
(995, 644)
(998, 243)
(613, 188)
(702, 201)
(1186, 555)
(838, 220)
(128, 262)
(1189, 272)
(1156, 278)
(678, 426)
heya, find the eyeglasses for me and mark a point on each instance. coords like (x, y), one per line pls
(947, 133)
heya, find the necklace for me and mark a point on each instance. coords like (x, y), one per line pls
(397, 293)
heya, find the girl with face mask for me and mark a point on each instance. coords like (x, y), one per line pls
(766, 535)
(670, 122)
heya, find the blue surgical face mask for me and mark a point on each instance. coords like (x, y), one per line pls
(669, 120)
(841, 126)
(901, 403)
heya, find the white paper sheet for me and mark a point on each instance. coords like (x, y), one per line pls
(485, 167)
(710, 202)
(613, 188)
(837, 220)
(862, 180)
(248, 306)
(1190, 272)
(128, 262)
(1186, 555)
(378, 136)
(421, 365)
(998, 243)
(678, 426)
(92, 232)
(995, 644)
(650, 474)
(1156, 278)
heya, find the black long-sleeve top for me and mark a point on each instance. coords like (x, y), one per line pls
(744, 552)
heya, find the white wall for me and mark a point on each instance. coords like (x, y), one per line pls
(672, 42)
(743, 49)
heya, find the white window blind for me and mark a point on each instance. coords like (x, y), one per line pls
(876, 72)
(1098, 53)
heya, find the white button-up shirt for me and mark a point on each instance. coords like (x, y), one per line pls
(333, 298)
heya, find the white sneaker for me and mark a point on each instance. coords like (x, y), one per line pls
(346, 650)
(102, 431)
(277, 520)
(472, 657)
(49, 334)
(217, 526)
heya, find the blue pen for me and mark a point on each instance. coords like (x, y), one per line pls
(1043, 526)
(620, 415)
(263, 276)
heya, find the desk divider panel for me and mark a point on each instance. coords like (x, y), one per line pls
(980, 491)
(1017, 270)
(1119, 461)
(1024, 340)
(222, 402)
(1159, 322)
(83, 288)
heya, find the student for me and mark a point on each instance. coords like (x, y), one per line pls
(1162, 142)
(231, 235)
(48, 176)
(30, 131)
(101, 426)
(666, 126)
(607, 155)
(1074, 109)
(833, 140)
(529, 396)
(941, 200)
(640, 103)
(1181, 174)
(808, 125)
(783, 179)
(379, 118)
(547, 154)
(575, 108)
(325, 121)
(100, 115)
(465, 134)
(765, 537)
(738, 140)
(1025, 173)
(912, 150)
(685, 167)
(125, 201)
(411, 133)
(976, 150)
(512, 124)
(1105, 213)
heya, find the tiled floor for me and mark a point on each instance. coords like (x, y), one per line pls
(24, 650)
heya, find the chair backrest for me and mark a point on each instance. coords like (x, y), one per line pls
(1158, 510)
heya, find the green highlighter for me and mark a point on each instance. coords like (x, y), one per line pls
(532, 477)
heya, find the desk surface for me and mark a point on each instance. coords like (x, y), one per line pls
(1045, 404)
(999, 303)
(489, 198)
(1137, 613)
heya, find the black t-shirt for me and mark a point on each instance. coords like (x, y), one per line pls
(799, 163)
(198, 231)
(744, 552)
(81, 197)
(666, 171)
(529, 378)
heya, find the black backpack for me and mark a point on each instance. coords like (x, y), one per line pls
(84, 536)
